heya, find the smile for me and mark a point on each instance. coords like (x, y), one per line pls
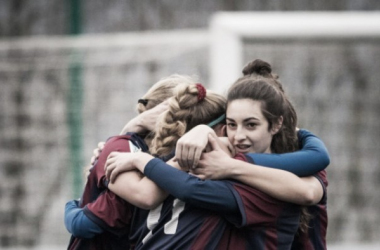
(242, 147)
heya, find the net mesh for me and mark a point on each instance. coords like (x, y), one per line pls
(61, 96)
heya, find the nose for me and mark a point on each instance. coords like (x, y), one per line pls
(239, 134)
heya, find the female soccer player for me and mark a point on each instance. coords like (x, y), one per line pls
(211, 167)
(101, 220)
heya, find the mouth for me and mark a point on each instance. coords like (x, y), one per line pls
(242, 148)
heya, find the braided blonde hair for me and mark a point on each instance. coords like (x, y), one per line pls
(162, 90)
(185, 112)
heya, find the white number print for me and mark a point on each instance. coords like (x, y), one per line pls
(170, 226)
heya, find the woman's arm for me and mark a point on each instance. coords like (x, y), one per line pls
(138, 190)
(77, 223)
(310, 159)
(279, 184)
(212, 195)
(132, 186)
(189, 151)
(106, 211)
(146, 121)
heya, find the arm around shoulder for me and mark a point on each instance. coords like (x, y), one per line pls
(77, 223)
(138, 190)
(310, 159)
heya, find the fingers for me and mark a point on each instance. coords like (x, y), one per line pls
(178, 152)
(95, 155)
(199, 172)
(97, 152)
(189, 150)
(190, 158)
(185, 157)
(113, 174)
(92, 161)
(110, 159)
(181, 155)
(109, 169)
(188, 155)
(197, 157)
(213, 142)
(101, 146)
(110, 165)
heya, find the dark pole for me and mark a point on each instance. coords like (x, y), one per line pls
(75, 103)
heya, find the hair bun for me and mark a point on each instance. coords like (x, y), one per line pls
(258, 67)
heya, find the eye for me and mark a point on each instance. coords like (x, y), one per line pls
(251, 125)
(231, 125)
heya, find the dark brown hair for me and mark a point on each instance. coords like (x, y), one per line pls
(258, 83)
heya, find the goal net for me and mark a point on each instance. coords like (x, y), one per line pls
(329, 66)
(59, 97)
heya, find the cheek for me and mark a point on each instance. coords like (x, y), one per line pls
(265, 139)
(259, 137)
(230, 134)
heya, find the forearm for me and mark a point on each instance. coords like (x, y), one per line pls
(134, 125)
(279, 184)
(211, 195)
(138, 190)
(78, 224)
(312, 158)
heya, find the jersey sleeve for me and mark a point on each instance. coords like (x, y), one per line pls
(213, 195)
(101, 205)
(321, 176)
(309, 160)
(110, 212)
(260, 210)
(77, 223)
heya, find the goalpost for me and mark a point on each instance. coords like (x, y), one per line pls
(230, 29)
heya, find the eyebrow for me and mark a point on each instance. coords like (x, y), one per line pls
(245, 120)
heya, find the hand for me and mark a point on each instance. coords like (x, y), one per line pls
(97, 152)
(213, 164)
(225, 144)
(118, 162)
(147, 120)
(191, 145)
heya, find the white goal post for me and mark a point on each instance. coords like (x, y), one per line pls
(229, 29)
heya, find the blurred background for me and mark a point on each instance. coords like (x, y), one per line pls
(71, 73)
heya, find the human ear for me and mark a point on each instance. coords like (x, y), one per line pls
(277, 126)
(220, 130)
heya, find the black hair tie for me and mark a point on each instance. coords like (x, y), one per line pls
(143, 101)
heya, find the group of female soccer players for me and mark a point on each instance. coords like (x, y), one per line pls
(196, 170)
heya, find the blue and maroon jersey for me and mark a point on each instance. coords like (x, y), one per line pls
(315, 237)
(217, 214)
(103, 207)
(175, 224)
(311, 159)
